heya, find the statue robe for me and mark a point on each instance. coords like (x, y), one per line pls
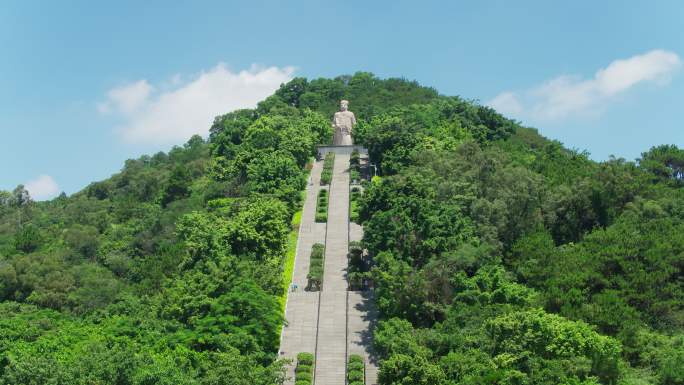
(343, 122)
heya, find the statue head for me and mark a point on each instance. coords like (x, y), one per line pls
(344, 105)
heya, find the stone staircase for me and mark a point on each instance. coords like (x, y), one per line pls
(334, 322)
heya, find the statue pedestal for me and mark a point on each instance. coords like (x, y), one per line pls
(324, 149)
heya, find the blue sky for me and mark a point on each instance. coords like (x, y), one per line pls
(84, 86)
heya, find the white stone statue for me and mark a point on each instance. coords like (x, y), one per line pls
(343, 122)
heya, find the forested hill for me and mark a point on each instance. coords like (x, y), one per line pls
(499, 257)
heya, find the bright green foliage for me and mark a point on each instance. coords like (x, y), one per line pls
(46, 347)
(551, 337)
(406, 370)
(288, 265)
(356, 370)
(304, 369)
(276, 174)
(169, 272)
(355, 358)
(497, 256)
(354, 375)
(305, 359)
(257, 231)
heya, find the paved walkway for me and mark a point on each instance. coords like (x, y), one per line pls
(361, 318)
(334, 322)
(331, 354)
(301, 313)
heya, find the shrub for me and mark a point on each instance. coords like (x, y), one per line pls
(356, 261)
(355, 246)
(354, 202)
(355, 358)
(315, 271)
(317, 250)
(357, 272)
(303, 377)
(315, 275)
(326, 177)
(355, 376)
(326, 174)
(355, 166)
(305, 359)
(304, 369)
(355, 369)
(322, 206)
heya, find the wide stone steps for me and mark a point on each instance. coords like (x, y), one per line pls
(361, 319)
(334, 322)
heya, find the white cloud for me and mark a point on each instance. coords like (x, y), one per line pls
(42, 188)
(568, 95)
(127, 99)
(188, 108)
(506, 103)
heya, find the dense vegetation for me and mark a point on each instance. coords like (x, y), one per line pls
(497, 256)
(171, 271)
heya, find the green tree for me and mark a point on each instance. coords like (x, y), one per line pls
(27, 239)
(666, 162)
(177, 187)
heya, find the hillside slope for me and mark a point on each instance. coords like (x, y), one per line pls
(499, 257)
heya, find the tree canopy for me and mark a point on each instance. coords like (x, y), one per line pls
(497, 256)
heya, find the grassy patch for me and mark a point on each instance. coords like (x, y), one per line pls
(288, 263)
(288, 267)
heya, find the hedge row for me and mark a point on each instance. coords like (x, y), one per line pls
(354, 201)
(326, 174)
(357, 271)
(304, 369)
(315, 275)
(356, 370)
(322, 206)
(355, 167)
